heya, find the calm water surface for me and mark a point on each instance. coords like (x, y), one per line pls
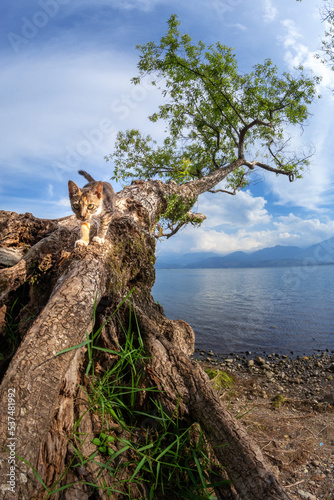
(280, 310)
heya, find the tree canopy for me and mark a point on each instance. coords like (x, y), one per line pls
(220, 121)
(327, 45)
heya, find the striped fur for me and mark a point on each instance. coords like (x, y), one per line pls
(96, 199)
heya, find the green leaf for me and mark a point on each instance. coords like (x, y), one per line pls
(74, 347)
(96, 441)
(214, 114)
(139, 466)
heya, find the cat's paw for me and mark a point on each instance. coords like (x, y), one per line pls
(81, 243)
(98, 240)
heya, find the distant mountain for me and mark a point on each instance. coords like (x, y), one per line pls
(320, 253)
(178, 261)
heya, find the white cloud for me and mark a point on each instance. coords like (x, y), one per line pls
(60, 112)
(237, 211)
(314, 191)
(239, 26)
(298, 53)
(233, 223)
(286, 230)
(269, 11)
(43, 208)
(66, 108)
(307, 231)
(291, 35)
(57, 94)
(64, 202)
(145, 5)
(50, 190)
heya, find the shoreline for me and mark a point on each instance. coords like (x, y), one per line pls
(252, 354)
(312, 375)
(287, 406)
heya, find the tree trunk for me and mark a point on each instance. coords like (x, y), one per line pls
(49, 294)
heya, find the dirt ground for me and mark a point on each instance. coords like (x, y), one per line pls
(291, 421)
(297, 439)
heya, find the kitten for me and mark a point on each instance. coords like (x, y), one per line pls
(95, 199)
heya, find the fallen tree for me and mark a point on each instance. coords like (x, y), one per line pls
(57, 287)
(61, 436)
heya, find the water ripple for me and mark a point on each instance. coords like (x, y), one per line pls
(234, 310)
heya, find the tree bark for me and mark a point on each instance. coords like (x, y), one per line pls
(51, 291)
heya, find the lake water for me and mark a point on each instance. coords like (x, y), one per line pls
(282, 310)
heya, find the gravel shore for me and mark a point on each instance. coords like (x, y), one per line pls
(288, 407)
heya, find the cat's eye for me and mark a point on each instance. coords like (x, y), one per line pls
(75, 206)
(90, 206)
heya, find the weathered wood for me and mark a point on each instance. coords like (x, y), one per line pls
(10, 256)
(64, 283)
(233, 447)
(35, 373)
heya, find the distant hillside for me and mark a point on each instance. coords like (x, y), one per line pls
(179, 261)
(321, 253)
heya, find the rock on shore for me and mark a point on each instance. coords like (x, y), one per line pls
(304, 376)
(287, 406)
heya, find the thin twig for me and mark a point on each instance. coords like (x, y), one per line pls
(310, 432)
(323, 429)
(294, 484)
(300, 416)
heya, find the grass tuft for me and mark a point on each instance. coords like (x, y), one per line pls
(220, 380)
(154, 448)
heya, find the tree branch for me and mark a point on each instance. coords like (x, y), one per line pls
(232, 445)
(192, 218)
(208, 182)
(244, 131)
(13, 277)
(205, 78)
(269, 168)
(10, 256)
(222, 191)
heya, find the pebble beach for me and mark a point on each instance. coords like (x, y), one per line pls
(287, 405)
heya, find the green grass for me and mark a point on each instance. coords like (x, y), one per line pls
(278, 401)
(172, 459)
(158, 450)
(220, 380)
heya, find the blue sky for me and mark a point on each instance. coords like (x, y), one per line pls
(65, 91)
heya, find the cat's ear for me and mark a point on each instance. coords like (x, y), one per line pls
(73, 189)
(97, 189)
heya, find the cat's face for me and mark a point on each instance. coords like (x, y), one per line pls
(85, 202)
